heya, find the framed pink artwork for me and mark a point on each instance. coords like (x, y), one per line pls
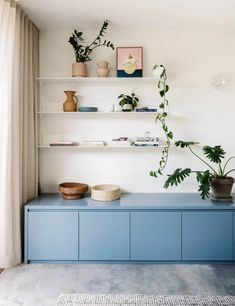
(129, 62)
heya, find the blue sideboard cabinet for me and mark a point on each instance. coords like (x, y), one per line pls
(156, 235)
(52, 235)
(207, 235)
(104, 235)
(137, 228)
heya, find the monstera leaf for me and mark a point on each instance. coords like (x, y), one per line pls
(177, 177)
(204, 180)
(214, 154)
(185, 144)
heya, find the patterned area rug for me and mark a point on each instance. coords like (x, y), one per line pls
(142, 300)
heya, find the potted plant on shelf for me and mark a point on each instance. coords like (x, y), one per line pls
(83, 53)
(158, 70)
(128, 102)
(218, 180)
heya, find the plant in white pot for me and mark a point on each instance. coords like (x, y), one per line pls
(158, 71)
(128, 102)
(83, 53)
(217, 179)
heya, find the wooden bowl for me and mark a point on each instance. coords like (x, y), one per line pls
(73, 191)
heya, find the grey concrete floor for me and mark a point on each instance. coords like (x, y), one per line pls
(41, 284)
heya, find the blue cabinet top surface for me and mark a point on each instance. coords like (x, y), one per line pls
(131, 201)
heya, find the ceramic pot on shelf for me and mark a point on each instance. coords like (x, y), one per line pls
(222, 188)
(127, 108)
(157, 71)
(70, 105)
(79, 70)
(103, 69)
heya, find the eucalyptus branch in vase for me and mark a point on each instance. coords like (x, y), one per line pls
(162, 118)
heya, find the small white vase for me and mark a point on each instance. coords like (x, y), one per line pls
(127, 108)
(103, 69)
(158, 71)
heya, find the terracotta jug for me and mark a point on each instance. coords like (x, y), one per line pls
(103, 69)
(70, 105)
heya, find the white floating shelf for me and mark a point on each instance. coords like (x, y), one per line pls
(98, 147)
(97, 113)
(97, 79)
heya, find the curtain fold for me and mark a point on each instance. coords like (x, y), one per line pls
(18, 98)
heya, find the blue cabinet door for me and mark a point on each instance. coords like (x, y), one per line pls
(52, 235)
(104, 235)
(156, 236)
(207, 235)
(234, 236)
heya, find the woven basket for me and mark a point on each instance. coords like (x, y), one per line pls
(105, 193)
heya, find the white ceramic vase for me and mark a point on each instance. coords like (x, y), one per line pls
(158, 71)
(127, 108)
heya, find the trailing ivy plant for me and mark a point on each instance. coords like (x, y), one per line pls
(162, 118)
(214, 155)
(83, 53)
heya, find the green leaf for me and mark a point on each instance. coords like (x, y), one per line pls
(159, 115)
(159, 84)
(177, 177)
(161, 92)
(121, 96)
(165, 128)
(161, 105)
(185, 144)
(78, 34)
(204, 180)
(170, 135)
(166, 88)
(153, 173)
(123, 102)
(214, 154)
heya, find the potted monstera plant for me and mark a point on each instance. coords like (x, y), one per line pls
(128, 102)
(215, 178)
(83, 53)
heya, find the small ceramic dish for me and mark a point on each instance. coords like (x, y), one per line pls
(88, 109)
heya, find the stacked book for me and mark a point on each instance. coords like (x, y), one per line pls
(121, 142)
(146, 109)
(93, 143)
(146, 142)
(63, 144)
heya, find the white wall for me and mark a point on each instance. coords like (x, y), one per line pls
(198, 112)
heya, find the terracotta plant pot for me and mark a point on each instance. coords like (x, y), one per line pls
(221, 188)
(70, 105)
(79, 70)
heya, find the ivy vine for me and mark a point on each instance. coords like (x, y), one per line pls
(162, 118)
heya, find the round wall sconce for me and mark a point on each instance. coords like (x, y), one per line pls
(218, 81)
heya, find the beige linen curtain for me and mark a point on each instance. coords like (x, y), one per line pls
(18, 97)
